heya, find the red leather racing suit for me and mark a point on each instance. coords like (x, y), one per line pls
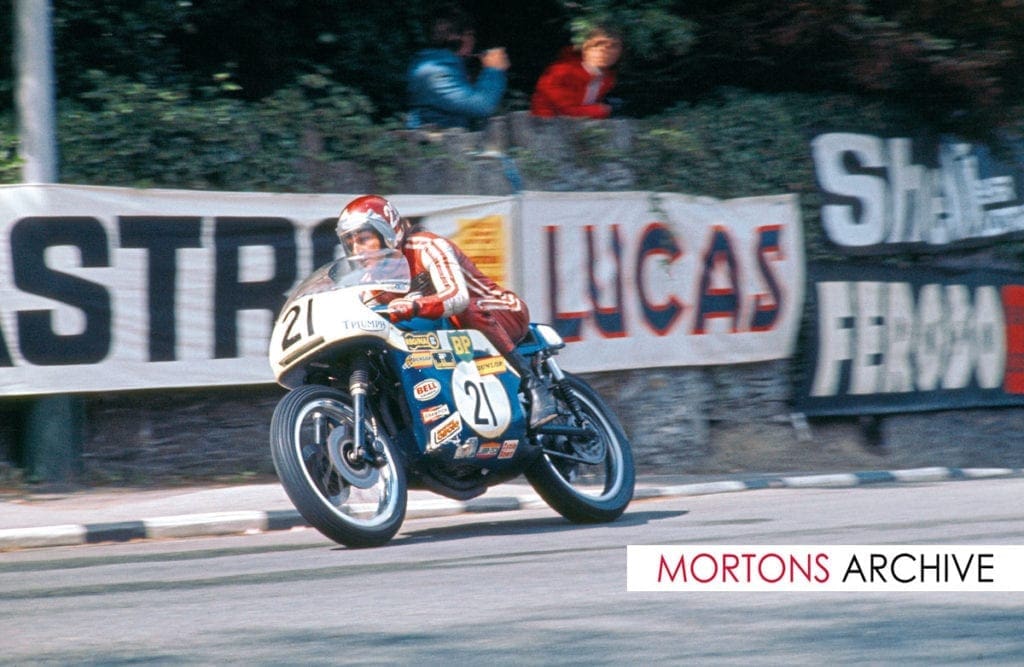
(452, 286)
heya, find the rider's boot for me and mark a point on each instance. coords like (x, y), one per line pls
(542, 403)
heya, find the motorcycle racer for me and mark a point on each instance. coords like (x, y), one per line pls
(446, 284)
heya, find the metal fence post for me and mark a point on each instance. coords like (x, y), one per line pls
(53, 426)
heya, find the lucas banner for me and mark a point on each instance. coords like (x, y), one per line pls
(110, 288)
(889, 340)
(639, 280)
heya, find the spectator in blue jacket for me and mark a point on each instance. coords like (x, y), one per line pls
(440, 90)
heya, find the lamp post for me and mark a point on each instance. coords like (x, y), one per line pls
(52, 432)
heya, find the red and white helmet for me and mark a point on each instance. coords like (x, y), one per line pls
(375, 213)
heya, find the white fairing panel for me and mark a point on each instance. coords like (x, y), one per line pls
(332, 305)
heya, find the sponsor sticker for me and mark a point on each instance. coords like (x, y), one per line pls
(508, 449)
(466, 450)
(435, 412)
(462, 345)
(488, 450)
(491, 365)
(444, 361)
(445, 431)
(422, 341)
(419, 360)
(427, 389)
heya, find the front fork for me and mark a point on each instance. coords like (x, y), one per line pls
(579, 441)
(362, 431)
(582, 427)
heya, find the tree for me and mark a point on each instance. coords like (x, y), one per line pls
(960, 62)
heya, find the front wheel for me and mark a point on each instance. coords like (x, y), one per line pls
(356, 504)
(585, 480)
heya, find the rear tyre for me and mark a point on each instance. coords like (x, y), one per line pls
(595, 490)
(306, 423)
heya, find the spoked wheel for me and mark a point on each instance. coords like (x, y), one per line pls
(585, 479)
(345, 497)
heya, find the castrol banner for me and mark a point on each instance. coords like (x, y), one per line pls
(113, 288)
(639, 279)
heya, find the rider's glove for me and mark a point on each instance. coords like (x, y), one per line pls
(403, 309)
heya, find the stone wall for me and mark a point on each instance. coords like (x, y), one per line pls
(721, 419)
(714, 420)
(514, 152)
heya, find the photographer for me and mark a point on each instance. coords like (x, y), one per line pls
(440, 91)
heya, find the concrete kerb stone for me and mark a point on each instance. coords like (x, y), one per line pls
(236, 523)
(212, 523)
(44, 536)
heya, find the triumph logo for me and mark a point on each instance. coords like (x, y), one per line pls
(427, 389)
(366, 325)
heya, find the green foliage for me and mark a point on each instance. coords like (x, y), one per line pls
(139, 39)
(129, 133)
(651, 29)
(736, 143)
(961, 62)
(743, 144)
(10, 164)
(265, 46)
(592, 143)
(536, 166)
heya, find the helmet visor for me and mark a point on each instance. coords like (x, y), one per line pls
(363, 240)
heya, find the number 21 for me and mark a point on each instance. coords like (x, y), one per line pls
(479, 392)
(291, 334)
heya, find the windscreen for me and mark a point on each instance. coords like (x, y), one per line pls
(384, 270)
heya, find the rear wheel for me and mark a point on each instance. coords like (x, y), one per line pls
(586, 480)
(346, 498)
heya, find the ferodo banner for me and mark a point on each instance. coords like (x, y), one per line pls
(634, 280)
(111, 288)
(889, 340)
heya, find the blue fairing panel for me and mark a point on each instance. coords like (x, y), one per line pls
(464, 400)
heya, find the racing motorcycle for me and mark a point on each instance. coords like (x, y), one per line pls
(376, 408)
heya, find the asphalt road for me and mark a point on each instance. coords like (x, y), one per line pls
(520, 587)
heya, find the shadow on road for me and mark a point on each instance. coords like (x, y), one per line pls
(487, 527)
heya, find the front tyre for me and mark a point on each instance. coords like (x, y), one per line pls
(585, 481)
(306, 422)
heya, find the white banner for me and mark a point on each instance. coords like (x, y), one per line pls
(911, 568)
(635, 279)
(112, 288)
(107, 289)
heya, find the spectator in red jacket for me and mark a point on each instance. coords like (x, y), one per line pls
(576, 84)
